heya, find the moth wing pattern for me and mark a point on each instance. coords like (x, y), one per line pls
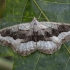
(57, 37)
(25, 38)
(62, 30)
(18, 45)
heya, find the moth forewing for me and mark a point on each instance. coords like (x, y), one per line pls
(25, 38)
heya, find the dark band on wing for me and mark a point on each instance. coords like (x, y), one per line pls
(23, 35)
(61, 28)
(35, 37)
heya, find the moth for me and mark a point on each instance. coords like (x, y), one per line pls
(25, 38)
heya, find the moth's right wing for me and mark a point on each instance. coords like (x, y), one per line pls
(16, 37)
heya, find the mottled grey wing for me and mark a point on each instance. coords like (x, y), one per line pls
(16, 37)
(57, 34)
(60, 30)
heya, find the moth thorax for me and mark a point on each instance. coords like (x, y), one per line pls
(34, 27)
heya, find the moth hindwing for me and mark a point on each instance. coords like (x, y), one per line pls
(25, 38)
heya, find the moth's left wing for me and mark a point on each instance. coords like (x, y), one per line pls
(58, 33)
(60, 30)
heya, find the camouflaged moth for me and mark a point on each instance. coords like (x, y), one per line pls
(25, 38)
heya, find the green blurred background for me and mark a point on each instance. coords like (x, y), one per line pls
(14, 12)
(6, 63)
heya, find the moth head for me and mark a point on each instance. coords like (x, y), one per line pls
(34, 25)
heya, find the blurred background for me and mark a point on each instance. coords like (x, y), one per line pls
(13, 12)
(2, 8)
(6, 63)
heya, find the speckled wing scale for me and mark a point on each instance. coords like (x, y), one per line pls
(25, 38)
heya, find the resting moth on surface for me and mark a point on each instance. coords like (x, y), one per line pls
(25, 38)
